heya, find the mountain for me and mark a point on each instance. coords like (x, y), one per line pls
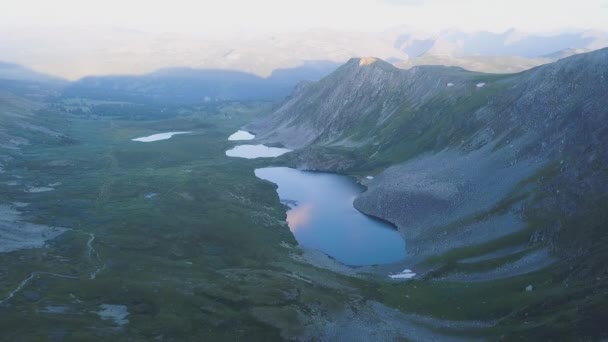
(487, 64)
(98, 51)
(509, 43)
(16, 72)
(505, 172)
(26, 82)
(192, 86)
(114, 51)
(565, 53)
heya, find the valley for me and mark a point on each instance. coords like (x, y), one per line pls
(170, 238)
(227, 257)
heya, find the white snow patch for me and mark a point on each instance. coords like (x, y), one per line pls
(157, 137)
(117, 313)
(241, 135)
(150, 195)
(256, 151)
(481, 85)
(34, 189)
(405, 274)
(369, 177)
(450, 84)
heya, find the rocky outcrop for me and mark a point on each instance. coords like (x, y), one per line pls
(16, 234)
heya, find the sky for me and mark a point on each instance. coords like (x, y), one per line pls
(223, 16)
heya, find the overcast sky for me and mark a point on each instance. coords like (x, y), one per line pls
(202, 16)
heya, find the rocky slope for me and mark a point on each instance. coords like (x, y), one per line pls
(24, 122)
(464, 160)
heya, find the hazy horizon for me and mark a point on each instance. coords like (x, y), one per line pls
(273, 16)
(73, 39)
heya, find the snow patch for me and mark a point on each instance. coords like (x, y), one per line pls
(116, 313)
(481, 85)
(157, 137)
(150, 195)
(34, 189)
(241, 135)
(405, 274)
(369, 177)
(450, 84)
(256, 151)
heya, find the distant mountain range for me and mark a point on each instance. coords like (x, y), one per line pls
(128, 65)
(192, 86)
(509, 43)
(16, 72)
(166, 86)
(74, 54)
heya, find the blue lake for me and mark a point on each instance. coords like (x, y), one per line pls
(322, 217)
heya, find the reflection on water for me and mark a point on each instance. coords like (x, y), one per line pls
(322, 216)
(299, 217)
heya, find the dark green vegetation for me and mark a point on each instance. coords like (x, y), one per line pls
(195, 260)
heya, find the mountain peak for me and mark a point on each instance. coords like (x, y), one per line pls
(368, 60)
(371, 62)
